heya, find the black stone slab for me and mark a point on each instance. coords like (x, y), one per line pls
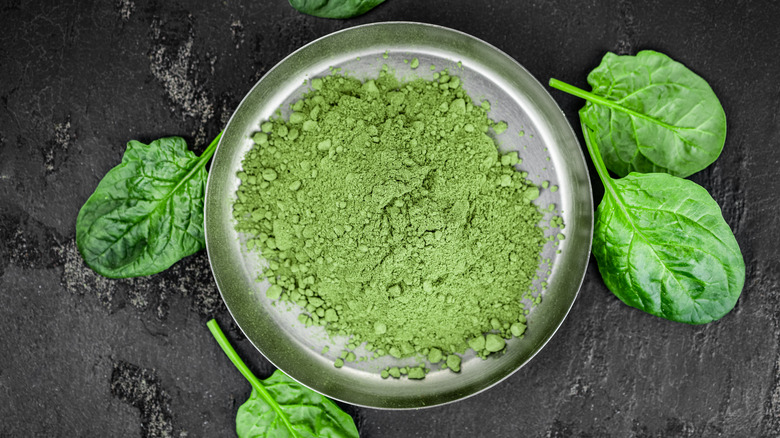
(81, 355)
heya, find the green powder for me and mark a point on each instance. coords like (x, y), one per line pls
(386, 212)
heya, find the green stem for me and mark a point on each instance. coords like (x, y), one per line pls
(601, 169)
(202, 160)
(595, 156)
(243, 369)
(593, 149)
(590, 97)
(209, 151)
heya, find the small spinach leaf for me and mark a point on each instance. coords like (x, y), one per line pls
(282, 407)
(147, 212)
(334, 8)
(652, 114)
(663, 246)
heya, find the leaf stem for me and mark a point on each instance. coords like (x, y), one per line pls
(241, 366)
(202, 160)
(209, 151)
(595, 155)
(590, 97)
(601, 169)
(592, 146)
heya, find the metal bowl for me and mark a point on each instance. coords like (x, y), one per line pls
(549, 150)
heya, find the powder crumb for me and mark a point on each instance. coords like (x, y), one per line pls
(453, 362)
(494, 343)
(416, 373)
(434, 356)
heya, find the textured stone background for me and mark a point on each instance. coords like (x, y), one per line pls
(85, 356)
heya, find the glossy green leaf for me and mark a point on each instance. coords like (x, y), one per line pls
(282, 407)
(334, 8)
(652, 114)
(310, 414)
(662, 245)
(147, 212)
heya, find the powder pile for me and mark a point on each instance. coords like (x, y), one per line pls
(386, 212)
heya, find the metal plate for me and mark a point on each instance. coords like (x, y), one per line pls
(549, 150)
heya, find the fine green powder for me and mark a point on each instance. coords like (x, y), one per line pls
(387, 213)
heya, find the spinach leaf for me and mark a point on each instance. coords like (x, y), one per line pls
(282, 407)
(662, 245)
(652, 114)
(147, 212)
(334, 8)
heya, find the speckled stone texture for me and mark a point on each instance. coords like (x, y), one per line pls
(81, 355)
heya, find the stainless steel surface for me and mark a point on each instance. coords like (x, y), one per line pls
(549, 150)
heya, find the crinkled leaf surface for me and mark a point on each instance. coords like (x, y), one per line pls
(334, 8)
(310, 414)
(678, 125)
(146, 213)
(663, 246)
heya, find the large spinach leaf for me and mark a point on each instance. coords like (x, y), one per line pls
(147, 212)
(334, 8)
(652, 114)
(662, 245)
(282, 407)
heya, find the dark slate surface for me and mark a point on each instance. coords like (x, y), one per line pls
(85, 356)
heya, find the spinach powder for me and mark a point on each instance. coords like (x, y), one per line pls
(387, 213)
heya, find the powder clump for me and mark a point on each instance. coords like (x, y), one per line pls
(385, 211)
